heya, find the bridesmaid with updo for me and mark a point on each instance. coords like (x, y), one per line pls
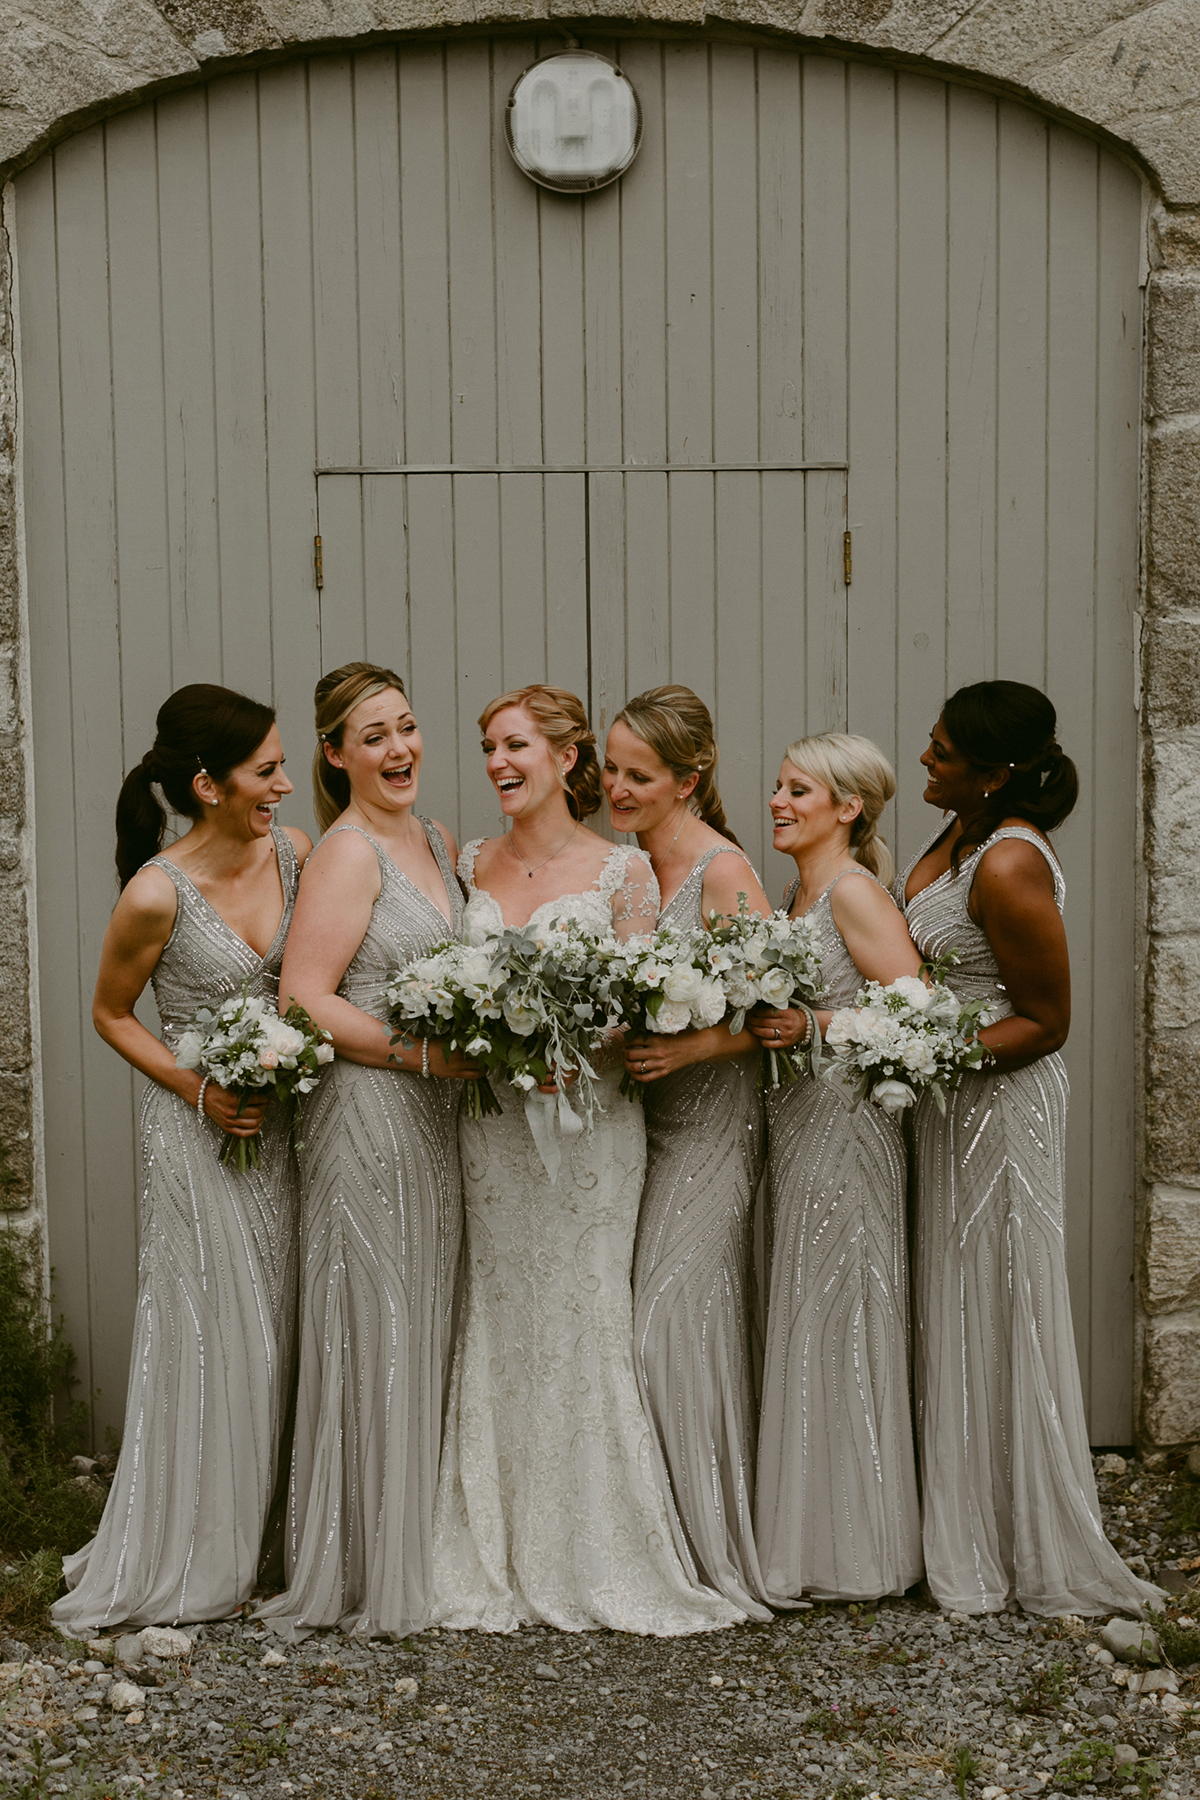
(837, 1515)
(182, 1532)
(704, 1148)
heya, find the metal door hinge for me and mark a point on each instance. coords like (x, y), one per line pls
(847, 560)
(318, 563)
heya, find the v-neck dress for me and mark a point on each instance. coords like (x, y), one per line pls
(1009, 1498)
(382, 1228)
(692, 1281)
(209, 1378)
(837, 1515)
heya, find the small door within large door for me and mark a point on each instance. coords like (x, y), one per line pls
(605, 581)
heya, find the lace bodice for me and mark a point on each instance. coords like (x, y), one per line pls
(685, 908)
(624, 898)
(843, 978)
(204, 962)
(939, 921)
(404, 923)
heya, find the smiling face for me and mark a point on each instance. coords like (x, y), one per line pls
(522, 765)
(951, 782)
(805, 816)
(251, 792)
(380, 752)
(643, 792)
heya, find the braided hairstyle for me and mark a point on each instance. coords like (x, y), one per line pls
(849, 765)
(335, 698)
(1008, 725)
(201, 729)
(560, 718)
(675, 723)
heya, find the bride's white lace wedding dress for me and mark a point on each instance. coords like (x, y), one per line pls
(548, 1506)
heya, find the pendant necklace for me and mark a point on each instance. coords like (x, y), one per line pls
(549, 859)
(656, 866)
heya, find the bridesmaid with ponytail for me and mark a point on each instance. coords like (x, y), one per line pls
(704, 1146)
(183, 1529)
(837, 1513)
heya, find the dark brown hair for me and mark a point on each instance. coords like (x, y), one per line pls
(335, 698)
(200, 730)
(1009, 725)
(678, 727)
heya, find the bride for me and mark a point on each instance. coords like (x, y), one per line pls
(548, 1510)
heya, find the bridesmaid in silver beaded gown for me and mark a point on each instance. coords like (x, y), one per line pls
(182, 1531)
(382, 1201)
(704, 1150)
(837, 1514)
(1009, 1500)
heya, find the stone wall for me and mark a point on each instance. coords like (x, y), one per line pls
(1130, 72)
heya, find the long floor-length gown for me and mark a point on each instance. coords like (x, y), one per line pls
(837, 1510)
(549, 1508)
(1008, 1494)
(382, 1228)
(181, 1534)
(691, 1299)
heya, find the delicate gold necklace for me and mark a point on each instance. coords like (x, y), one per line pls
(549, 859)
(656, 866)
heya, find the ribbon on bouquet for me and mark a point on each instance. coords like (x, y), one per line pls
(540, 1110)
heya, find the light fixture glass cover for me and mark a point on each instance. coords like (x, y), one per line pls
(573, 121)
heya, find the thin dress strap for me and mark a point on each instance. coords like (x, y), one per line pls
(1030, 837)
(466, 862)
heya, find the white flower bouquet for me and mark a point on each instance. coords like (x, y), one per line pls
(772, 961)
(897, 1040)
(659, 982)
(244, 1046)
(522, 1005)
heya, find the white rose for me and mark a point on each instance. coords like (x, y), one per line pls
(683, 983)
(191, 1048)
(709, 1004)
(917, 1056)
(775, 986)
(943, 1008)
(739, 991)
(912, 991)
(892, 1096)
(324, 1053)
(285, 1040)
(476, 968)
(672, 1016)
(843, 1027)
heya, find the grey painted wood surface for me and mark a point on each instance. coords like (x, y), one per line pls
(334, 266)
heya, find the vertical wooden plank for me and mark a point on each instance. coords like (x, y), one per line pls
(567, 646)
(377, 249)
(57, 869)
(564, 357)
(781, 236)
(432, 632)
(606, 598)
(469, 127)
(826, 198)
(93, 611)
(647, 582)
(427, 400)
(602, 325)
(692, 582)
(688, 232)
(288, 329)
(825, 611)
(518, 281)
(1070, 630)
(1114, 779)
(343, 598)
(239, 380)
(477, 646)
(970, 392)
(785, 635)
(384, 571)
(735, 256)
(643, 265)
(920, 425)
(738, 701)
(1021, 524)
(188, 359)
(335, 261)
(522, 571)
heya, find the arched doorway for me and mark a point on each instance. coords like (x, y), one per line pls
(606, 441)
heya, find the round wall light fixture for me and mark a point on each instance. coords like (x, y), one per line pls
(573, 122)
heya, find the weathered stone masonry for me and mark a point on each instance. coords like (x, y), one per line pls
(1130, 72)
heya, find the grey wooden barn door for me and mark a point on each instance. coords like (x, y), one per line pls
(607, 441)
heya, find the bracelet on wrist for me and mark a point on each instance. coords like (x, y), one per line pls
(425, 1058)
(200, 1095)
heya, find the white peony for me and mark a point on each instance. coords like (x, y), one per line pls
(775, 986)
(672, 1016)
(892, 1096)
(683, 983)
(912, 991)
(709, 1005)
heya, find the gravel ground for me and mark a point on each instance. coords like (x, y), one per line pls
(833, 1702)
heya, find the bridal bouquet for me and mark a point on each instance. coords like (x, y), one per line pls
(245, 1046)
(897, 1040)
(657, 982)
(522, 1005)
(768, 962)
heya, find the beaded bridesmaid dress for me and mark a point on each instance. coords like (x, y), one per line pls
(837, 1512)
(1009, 1497)
(691, 1299)
(209, 1381)
(382, 1227)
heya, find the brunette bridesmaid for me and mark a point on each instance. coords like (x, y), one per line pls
(382, 1203)
(704, 1147)
(837, 1515)
(182, 1532)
